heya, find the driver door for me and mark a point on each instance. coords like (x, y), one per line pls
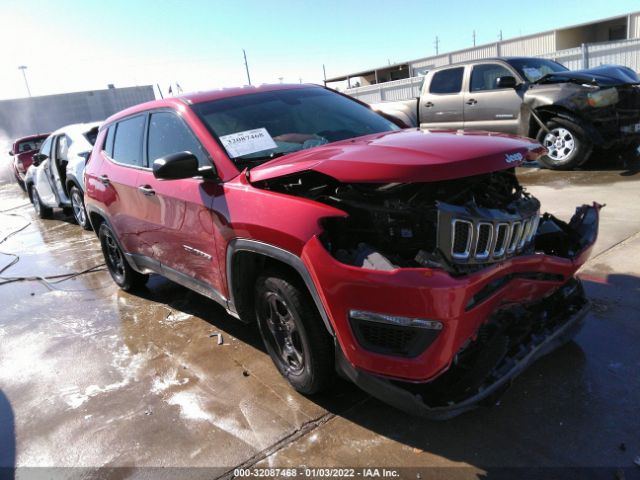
(487, 107)
(41, 176)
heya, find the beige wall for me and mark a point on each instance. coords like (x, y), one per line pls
(529, 46)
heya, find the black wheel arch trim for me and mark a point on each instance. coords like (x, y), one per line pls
(72, 181)
(243, 244)
(92, 209)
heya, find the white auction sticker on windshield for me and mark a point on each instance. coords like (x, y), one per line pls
(247, 142)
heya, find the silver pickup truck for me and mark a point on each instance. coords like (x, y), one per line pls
(569, 112)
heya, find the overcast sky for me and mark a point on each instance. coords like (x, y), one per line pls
(73, 45)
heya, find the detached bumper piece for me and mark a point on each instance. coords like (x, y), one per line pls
(503, 348)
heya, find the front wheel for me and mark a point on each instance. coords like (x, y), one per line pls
(293, 332)
(79, 211)
(121, 272)
(567, 144)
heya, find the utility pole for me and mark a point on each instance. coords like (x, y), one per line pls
(500, 35)
(437, 44)
(246, 66)
(324, 72)
(24, 75)
(474, 38)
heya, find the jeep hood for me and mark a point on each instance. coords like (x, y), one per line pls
(604, 76)
(410, 155)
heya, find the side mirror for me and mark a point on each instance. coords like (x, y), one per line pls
(11, 153)
(176, 166)
(38, 158)
(506, 82)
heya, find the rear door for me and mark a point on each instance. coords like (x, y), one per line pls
(119, 178)
(177, 225)
(487, 107)
(441, 101)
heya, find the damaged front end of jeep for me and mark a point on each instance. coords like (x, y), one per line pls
(485, 234)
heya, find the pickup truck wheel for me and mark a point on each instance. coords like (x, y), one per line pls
(121, 272)
(293, 332)
(42, 211)
(567, 143)
(79, 212)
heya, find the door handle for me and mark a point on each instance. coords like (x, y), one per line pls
(471, 101)
(147, 190)
(428, 104)
(104, 180)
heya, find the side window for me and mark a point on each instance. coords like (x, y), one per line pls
(108, 142)
(46, 147)
(447, 81)
(483, 77)
(169, 134)
(127, 146)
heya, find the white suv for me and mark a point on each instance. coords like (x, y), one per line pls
(55, 179)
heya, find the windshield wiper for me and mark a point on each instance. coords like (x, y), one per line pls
(255, 161)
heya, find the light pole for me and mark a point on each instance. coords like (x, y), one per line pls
(23, 68)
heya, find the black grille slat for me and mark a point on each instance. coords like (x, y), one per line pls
(485, 232)
(462, 231)
(501, 238)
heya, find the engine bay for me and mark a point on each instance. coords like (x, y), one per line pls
(461, 225)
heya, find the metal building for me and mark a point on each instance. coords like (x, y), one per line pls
(25, 116)
(614, 40)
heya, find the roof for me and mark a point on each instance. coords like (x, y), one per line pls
(201, 97)
(31, 137)
(77, 127)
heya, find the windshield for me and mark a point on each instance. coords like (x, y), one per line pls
(257, 127)
(29, 145)
(534, 69)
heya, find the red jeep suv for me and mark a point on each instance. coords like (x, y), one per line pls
(412, 262)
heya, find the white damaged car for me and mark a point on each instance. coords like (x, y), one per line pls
(56, 177)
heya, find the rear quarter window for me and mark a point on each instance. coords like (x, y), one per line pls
(127, 145)
(447, 81)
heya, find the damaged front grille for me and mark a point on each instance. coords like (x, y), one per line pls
(472, 235)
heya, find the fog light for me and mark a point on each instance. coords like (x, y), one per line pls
(395, 320)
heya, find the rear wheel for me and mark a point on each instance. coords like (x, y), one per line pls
(79, 211)
(567, 144)
(42, 211)
(293, 332)
(121, 272)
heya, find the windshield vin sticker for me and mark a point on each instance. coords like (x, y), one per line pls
(247, 142)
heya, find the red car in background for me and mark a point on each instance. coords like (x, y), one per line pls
(412, 262)
(22, 151)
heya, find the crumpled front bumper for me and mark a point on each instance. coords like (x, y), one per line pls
(409, 397)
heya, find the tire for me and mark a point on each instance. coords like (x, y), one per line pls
(20, 182)
(121, 272)
(293, 332)
(42, 211)
(568, 144)
(78, 209)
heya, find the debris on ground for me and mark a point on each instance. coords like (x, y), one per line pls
(219, 335)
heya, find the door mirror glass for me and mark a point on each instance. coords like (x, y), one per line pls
(176, 166)
(506, 82)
